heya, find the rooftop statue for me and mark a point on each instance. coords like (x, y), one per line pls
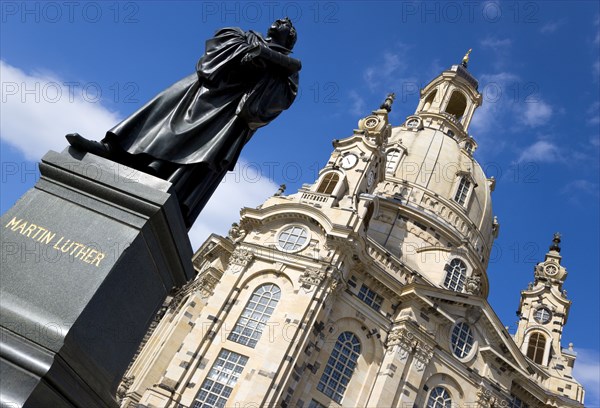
(192, 133)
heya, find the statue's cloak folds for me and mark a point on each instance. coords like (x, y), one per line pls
(207, 117)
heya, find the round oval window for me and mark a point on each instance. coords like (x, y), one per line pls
(293, 238)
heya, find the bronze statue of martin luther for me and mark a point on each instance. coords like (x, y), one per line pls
(192, 133)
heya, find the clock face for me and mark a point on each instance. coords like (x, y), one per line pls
(348, 161)
(413, 123)
(370, 178)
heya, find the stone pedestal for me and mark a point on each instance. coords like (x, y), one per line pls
(88, 256)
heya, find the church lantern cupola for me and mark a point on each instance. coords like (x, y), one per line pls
(451, 98)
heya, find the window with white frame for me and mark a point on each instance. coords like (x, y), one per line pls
(392, 160)
(536, 348)
(315, 404)
(462, 192)
(256, 314)
(542, 315)
(328, 183)
(340, 366)
(293, 238)
(439, 398)
(220, 380)
(461, 340)
(370, 297)
(456, 274)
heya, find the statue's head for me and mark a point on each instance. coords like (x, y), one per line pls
(282, 32)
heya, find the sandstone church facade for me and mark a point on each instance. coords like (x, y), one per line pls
(367, 288)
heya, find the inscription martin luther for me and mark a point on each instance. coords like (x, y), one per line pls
(65, 245)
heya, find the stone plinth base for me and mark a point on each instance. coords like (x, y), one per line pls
(88, 256)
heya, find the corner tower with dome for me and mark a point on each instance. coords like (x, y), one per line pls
(366, 288)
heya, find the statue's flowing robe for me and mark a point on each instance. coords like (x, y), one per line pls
(208, 116)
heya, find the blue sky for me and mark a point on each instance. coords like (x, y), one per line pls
(83, 66)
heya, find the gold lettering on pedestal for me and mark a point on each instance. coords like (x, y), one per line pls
(42, 235)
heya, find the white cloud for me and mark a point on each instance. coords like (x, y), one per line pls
(536, 113)
(551, 26)
(496, 102)
(357, 104)
(495, 43)
(594, 113)
(581, 186)
(540, 151)
(244, 187)
(587, 371)
(39, 109)
(389, 72)
(37, 122)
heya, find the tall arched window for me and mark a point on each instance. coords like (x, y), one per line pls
(328, 184)
(457, 105)
(340, 366)
(392, 160)
(439, 398)
(429, 100)
(537, 345)
(456, 273)
(256, 314)
(462, 192)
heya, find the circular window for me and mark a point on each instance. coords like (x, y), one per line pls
(461, 340)
(542, 315)
(293, 238)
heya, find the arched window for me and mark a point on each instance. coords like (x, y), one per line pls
(391, 161)
(537, 345)
(456, 273)
(457, 105)
(429, 100)
(462, 192)
(469, 147)
(256, 314)
(328, 184)
(439, 398)
(340, 366)
(221, 379)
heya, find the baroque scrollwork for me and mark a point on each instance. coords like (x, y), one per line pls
(485, 398)
(473, 285)
(312, 277)
(239, 259)
(423, 354)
